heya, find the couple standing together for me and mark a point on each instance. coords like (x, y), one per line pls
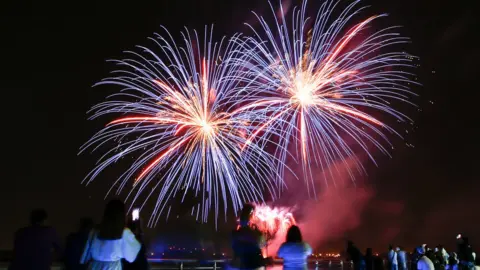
(247, 244)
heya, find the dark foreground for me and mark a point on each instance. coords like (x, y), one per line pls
(181, 264)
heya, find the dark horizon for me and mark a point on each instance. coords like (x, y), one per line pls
(55, 51)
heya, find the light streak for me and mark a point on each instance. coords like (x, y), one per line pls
(325, 85)
(183, 124)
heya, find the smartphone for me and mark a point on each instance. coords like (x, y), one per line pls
(135, 214)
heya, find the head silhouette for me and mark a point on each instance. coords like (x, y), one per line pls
(113, 222)
(420, 250)
(38, 216)
(294, 235)
(246, 214)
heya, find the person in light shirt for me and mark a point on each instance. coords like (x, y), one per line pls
(401, 258)
(424, 263)
(392, 258)
(111, 242)
(294, 251)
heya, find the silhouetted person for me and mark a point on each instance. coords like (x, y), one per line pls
(354, 254)
(34, 244)
(141, 262)
(401, 258)
(444, 254)
(452, 262)
(294, 251)
(369, 259)
(247, 243)
(433, 257)
(392, 259)
(424, 263)
(414, 258)
(465, 254)
(75, 244)
(378, 263)
(112, 242)
(439, 258)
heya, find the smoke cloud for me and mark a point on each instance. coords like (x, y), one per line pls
(336, 210)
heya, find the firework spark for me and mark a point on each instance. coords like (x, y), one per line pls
(318, 84)
(272, 220)
(181, 123)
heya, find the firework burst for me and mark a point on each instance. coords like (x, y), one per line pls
(182, 123)
(272, 220)
(318, 83)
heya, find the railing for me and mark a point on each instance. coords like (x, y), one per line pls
(183, 264)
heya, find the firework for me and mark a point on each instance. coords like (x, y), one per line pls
(318, 83)
(272, 220)
(181, 122)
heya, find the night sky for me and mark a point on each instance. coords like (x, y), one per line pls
(53, 52)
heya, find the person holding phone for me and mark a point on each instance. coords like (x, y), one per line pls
(136, 226)
(111, 242)
(135, 214)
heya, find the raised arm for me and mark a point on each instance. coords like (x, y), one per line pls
(130, 245)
